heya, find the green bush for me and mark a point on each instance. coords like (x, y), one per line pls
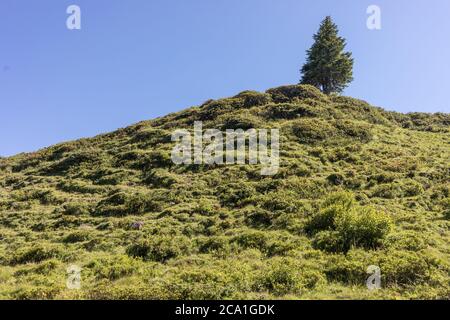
(403, 268)
(76, 208)
(252, 239)
(75, 160)
(123, 203)
(312, 130)
(290, 111)
(160, 248)
(35, 254)
(254, 98)
(154, 159)
(282, 276)
(159, 178)
(446, 208)
(235, 194)
(214, 244)
(113, 268)
(342, 224)
(79, 186)
(291, 92)
(77, 236)
(243, 120)
(355, 130)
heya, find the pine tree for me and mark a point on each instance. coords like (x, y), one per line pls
(328, 67)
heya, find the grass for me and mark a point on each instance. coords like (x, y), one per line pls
(357, 186)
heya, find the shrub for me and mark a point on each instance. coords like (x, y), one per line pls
(235, 194)
(206, 207)
(35, 254)
(396, 189)
(403, 268)
(159, 178)
(312, 130)
(122, 203)
(214, 244)
(446, 208)
(112, 177)
(336, 179)
(76, 209)
(354, 130)
(252, 240)
(254, 98)
(341, 224)
(151, 136)
(258, 217)
(155, 159)
(159, 248)
(405, 240)
(44, 196)
(212, 109)
(77, 236)
(289, 111)
(75, 160)
(290, 92)
(79, 186)
(241, 120)
(112, 268)
(280, 279)
(282, 276)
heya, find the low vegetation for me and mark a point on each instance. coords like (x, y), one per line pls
(357, 186)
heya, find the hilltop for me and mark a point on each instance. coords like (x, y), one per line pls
(357, 186)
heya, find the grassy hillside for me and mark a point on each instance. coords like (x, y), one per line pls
(357, 186)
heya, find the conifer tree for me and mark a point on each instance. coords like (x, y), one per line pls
(328, 67)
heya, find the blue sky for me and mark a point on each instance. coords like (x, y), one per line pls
(139, 59)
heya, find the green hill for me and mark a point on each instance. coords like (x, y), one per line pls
(357, 186)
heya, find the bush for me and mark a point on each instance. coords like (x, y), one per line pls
(154, 159)
(235, 194)
(290, 111)
(77, 236)
(257, 217)
(75, 160)
(446, 208)
(122, 204)
(288, 93)
(76, 209)
(342, 224)
(403, 268)
(336, 179)
(254, 98)
(283, 276)
(151, 136)
(406, 188)
(406, 240)
(214, 244)
(35, 254)
(112, 268)
(79, 186)
(159, 178)
(242, 121)
(212, 109)
(312, 130)
(252, 240)
(355, 130)
(159, 248)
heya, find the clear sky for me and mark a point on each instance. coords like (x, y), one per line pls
(139, 59)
